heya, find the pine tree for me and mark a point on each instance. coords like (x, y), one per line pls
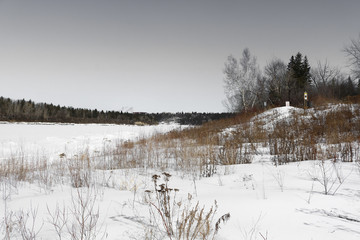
(350, 88)
(305, 67)
(298, 78)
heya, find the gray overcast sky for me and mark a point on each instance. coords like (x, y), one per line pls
(160, 55)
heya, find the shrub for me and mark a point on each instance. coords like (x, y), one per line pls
(179, 220)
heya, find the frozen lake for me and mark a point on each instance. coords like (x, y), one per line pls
(55, 138)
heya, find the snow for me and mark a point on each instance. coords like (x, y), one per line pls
(275, 115)
(53, 139)
(276, 202)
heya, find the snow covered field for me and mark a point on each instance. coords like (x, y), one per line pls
(264, 201)
(50, 139)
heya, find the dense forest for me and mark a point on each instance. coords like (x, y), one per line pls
(29, 111)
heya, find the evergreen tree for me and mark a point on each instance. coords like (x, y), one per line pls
(298, 78)
(350, 89)
(305, 68)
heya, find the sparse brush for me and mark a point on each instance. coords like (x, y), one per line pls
(329, 175)
(80, 170)
(26, 223)
(21, 224)
(58, 219)
(180, 220)
(85, 216)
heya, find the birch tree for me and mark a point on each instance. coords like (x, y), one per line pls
(241, 78)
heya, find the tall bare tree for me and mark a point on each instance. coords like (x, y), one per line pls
(241, 78)
(275, 72)
(353, 54)
(323, 78)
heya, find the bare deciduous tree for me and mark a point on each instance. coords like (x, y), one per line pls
(323, 77)
(241, 78)
(275, 72)
(353, 53)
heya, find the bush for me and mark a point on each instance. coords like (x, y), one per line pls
(179, 220)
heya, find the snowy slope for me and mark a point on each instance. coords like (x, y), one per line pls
(264, 201)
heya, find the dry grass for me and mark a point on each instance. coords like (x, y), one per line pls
(327, 133)
(179, 219)
(197, 151)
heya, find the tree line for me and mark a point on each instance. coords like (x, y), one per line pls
(247, 87)
(29, 111)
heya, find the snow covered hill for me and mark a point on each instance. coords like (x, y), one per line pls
(64, 182)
